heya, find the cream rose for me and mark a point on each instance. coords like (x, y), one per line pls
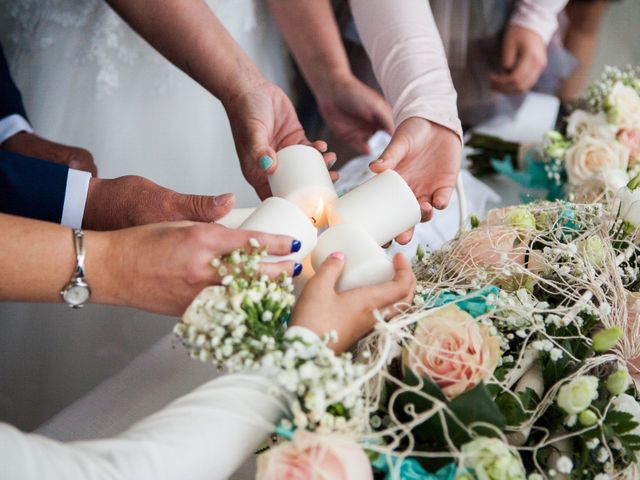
(584, 123)
(452, 350)
(589, 157)
(623, 103)
(311, 455)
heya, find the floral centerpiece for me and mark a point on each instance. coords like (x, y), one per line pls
(596, 151)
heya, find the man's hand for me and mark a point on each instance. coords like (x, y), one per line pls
(428, 157)
(162, 267)
(31, 145)
(353, 111)
(524, 57)
(264, 121)
(130, 201)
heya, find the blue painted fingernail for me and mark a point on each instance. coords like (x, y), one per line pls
(265, 162)
(297, 269)
(296, 245)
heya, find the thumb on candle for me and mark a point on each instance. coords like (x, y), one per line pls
(330, 271)
(203, 208)
(397, 149)
(261, 151)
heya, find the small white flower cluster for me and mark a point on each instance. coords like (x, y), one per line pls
(241, 324)
(319, 387)
(598, 92)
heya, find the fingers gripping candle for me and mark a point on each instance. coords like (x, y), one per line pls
(303, 179)
(366, 263)
(384, 207)
(281, 217)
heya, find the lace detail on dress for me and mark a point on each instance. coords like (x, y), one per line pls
(104, 40)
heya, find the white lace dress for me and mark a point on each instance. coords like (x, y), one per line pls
(89, 80)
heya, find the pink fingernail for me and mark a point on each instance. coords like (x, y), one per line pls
(337, 256)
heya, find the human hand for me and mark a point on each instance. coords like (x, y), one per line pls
(353, 111)
(264, 121)
(350, 313)
(130, 201)
(428, 157)
(524, 57)
(162, 267)
(31, 145)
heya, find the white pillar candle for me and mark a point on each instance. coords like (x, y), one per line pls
(302, 177)
(235, 217)
(366, 263)
(281, 217)
(384, 207)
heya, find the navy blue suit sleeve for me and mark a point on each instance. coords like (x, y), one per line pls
(10, 98)
(32, 188)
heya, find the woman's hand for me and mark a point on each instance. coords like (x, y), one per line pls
(524, 57)
(162, 267)
(428, 157)
(264, 121)
(353, 111)
(350, 313)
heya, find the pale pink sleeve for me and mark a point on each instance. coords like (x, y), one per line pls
(403, 43)
(541, 16)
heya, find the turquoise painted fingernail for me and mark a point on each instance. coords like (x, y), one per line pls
(265, 162)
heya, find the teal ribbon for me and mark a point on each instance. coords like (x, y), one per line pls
(286, 433)
(534, 176)
(410, 469)
(474, 303)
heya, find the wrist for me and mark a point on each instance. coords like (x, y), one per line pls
(243, 83)
(99, 268)
(326, 84)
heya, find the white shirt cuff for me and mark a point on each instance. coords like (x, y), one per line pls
(75, 198)
(13, 124)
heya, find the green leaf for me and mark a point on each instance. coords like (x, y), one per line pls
(469, 408)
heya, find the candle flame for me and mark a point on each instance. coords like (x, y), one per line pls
(319, 211)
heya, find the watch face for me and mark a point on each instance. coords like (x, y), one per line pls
(77, 295)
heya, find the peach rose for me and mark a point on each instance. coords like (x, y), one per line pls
(452, 350)
(631, 140)
(315, 456)
(491, 245)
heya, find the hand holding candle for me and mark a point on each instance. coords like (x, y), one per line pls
(366, 263)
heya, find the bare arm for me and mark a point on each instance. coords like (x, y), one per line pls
(192, 38)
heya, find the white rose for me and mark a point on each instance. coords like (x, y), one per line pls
(614, 180)
(591, 156)
(630, 206)
(624, 105)
(584, 123)
(577, 395)
(627, 404)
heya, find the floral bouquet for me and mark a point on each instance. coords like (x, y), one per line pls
(596, 151)
(517, 360)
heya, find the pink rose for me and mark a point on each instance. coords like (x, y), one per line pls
(452, 350)
(315, 456)
(491, 246)
(631, 140)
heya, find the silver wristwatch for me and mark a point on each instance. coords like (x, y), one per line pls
(77, 292)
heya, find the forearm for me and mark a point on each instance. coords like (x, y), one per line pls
(540, 16)
(206, 434)
(408, 59)
(309, 27)
(191, 37)
(37, 259)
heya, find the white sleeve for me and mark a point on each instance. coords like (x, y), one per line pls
(408, 58)
(13, 124)
(75, 198)
(540, 16)
(206, 435)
